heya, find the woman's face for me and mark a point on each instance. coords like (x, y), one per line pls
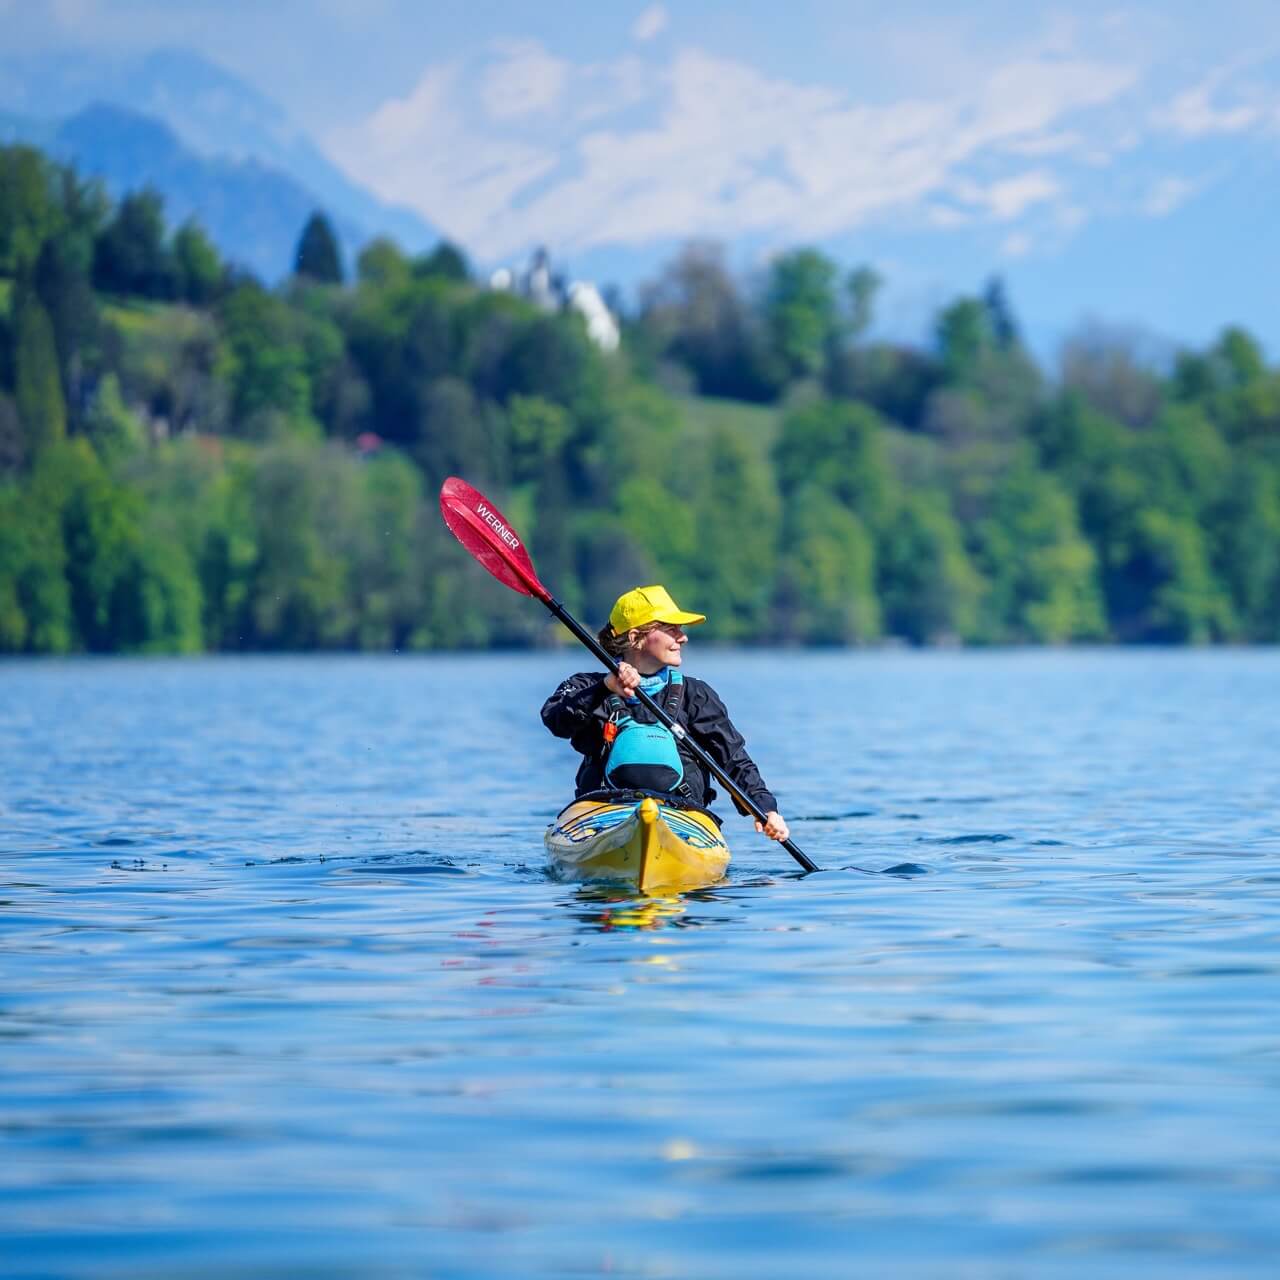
(658, 647)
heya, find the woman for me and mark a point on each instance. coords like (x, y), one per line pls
(621, 745)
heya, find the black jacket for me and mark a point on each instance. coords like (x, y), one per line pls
(576, 711)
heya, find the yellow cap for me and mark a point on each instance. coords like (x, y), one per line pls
(644, 605)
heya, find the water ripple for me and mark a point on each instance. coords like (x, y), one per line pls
(287, 991)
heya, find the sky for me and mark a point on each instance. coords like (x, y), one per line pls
(1104, 157)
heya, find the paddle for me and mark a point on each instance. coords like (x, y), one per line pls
(487, 535)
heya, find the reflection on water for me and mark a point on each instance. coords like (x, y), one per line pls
(285, 989)
(606, 908)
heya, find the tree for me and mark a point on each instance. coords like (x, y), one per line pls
(801, 310)
(199, 269)
(317, 257)
(267, 370)
(695, 314)
(964, 335)
(1108, 370)
(1250, 536)
(836, 447)
(38, 387)
(381, 263)
(63, 284)
(826, 581)
(737, 523)
(113, 431)
(445, 262)
(1004, 328)
(1170, 594)
(863, 285)
(928, 586)
(29, 211)
(1042, 573)
(131, 256)
(35, 605)
(13, 446)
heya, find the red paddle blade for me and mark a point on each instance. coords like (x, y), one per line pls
(484, 531)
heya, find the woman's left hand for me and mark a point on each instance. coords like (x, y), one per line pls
(775, 828)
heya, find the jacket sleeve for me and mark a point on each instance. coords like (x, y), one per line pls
(572, 706)
(720, 739)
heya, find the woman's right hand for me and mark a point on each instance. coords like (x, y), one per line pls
(625, 682)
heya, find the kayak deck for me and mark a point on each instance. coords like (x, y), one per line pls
(639, 840)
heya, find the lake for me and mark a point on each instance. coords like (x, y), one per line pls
(285, 989)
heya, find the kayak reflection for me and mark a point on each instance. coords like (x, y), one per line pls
(615, 909)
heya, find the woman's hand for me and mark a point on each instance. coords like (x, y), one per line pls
(775, 828)
(625, 683)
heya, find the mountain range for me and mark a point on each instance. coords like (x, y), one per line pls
(210, 143)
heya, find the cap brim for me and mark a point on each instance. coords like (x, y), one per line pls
(681, 619)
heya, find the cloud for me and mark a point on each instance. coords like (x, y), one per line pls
(1011, 197)
(652, 22)
(640, 151)
(525, 79)
(1193, 114)
(1167, 195)
(1016, 245)
(1239, 97)
(423, 152)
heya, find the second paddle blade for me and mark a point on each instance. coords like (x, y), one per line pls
(486, 533)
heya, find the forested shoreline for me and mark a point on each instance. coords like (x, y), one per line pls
(192, 461)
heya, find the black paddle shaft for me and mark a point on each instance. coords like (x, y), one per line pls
(678, 730)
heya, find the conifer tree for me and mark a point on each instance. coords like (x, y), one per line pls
(317, 257)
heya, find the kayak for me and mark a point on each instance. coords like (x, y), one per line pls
(646, 841)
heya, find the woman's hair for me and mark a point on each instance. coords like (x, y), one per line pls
(616, 643)
(611, 642)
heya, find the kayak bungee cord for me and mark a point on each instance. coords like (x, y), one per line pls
(486, 533)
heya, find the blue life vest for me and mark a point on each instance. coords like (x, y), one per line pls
(639, 751)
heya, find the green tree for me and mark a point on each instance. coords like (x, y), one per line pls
(303, 502)
(29, 211)
(200, 273)
(737, 518)
(1169, 591)
(100, 530)
(267, 363)
(1000, 319)
(928, 586)
(318, 257)
(1042, 573)
(131, 255)
(802, 310)
(13, 447)
(1250, 559)
(35, 604)
(382, 264)
(114, 432)
(964, 336)
(62, 283)
(38, 386)
(445, 262)
(827, 579)
(656, 519)
(837, 447)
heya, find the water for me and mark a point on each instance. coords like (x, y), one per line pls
(285, 991)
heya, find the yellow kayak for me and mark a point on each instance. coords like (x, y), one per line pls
(640, 840)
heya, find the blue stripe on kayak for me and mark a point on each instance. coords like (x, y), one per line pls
(694, 834)
(591, 824)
